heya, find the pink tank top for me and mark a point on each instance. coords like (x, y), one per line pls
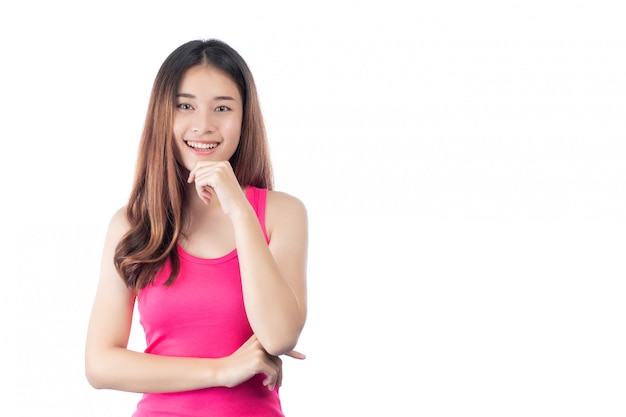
(202, 315)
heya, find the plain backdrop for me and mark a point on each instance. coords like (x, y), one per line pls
(462, 162)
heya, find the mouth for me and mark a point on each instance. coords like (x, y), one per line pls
(201, 146)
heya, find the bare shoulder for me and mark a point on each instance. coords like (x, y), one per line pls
(280, 203)
(283, 210)
(286, 221)
(109, 276)
(118, 225)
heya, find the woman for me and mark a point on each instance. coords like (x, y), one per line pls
(213, 257)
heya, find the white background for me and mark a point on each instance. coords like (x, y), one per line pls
(463, 164)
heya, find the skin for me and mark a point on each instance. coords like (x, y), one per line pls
(209, 111)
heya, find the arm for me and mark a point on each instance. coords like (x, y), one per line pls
(109, 364)
(274, 277)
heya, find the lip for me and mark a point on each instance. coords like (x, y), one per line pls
(200, 150)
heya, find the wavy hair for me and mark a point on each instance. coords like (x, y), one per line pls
(155, 209)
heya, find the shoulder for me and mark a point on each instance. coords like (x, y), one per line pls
(282, 203)
(284, 209)
(119, 218)
(286, 220)
(118, 225)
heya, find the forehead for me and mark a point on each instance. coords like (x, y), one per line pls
(205, 81)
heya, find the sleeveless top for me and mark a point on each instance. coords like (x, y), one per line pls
(202, 315)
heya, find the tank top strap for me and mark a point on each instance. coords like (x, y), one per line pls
(257, 198)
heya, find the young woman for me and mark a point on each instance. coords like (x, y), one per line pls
(213, 257)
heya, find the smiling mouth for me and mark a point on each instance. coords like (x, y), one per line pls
(201, 145)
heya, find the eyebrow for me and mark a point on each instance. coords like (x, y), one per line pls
(216, 98)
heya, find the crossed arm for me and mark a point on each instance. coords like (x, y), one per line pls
(274, 287)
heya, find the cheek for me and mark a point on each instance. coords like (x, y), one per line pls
(178, 146)
(177, 128)
(179, 155)
(234, 128)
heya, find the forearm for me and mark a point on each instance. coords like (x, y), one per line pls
(125, 370)
(273, 309)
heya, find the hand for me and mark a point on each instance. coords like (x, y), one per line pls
(294, 354)
(219, 178)
(249, 360)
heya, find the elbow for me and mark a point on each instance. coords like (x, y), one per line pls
(93, 378)
(282, 343)
(280, 348)
(281, 339)
(95, 373)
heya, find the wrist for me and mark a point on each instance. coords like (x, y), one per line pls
(242, 214)
(215, 375)
(221, 373)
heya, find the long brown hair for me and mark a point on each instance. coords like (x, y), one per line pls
(155, 206)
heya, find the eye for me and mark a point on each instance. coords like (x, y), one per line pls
(184, 106)
(222, 108)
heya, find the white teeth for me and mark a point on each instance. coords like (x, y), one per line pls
(198, 145)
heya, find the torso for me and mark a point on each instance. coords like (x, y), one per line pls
(203, 315)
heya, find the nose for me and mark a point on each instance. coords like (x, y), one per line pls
(203, 122)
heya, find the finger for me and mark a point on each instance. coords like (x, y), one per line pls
(295, 354)
(279, 378)
(192, 174)
(274, 383)
(207, 191)
(277, 366)
(206, 198)
(271, 377)
(198, 171)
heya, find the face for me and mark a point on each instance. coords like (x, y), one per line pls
(207, 117)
